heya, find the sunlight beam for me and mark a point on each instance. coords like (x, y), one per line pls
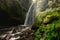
(33, 0)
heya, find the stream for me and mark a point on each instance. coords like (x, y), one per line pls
(21, 32)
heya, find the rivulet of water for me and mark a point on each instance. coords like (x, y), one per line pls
(27, 15)
(30, 16)
(29, 20)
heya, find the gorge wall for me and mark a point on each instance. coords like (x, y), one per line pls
(12, 12)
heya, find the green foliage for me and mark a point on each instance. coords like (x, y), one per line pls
(38, 19)
(50, 31)
(54, 14)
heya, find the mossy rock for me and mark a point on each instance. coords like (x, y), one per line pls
(50, 30)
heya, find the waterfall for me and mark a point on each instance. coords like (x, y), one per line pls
(30, 16)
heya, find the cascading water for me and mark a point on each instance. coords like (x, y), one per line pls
(30, 16)
(27, 15)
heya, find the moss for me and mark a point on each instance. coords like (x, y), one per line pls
(50, 31)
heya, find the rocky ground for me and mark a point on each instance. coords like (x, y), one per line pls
(17, 33)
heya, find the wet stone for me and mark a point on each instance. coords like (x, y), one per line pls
(25, 33)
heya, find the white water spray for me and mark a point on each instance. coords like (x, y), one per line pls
(28, 20)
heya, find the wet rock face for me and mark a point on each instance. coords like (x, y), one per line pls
(19, 32)
(12, 12)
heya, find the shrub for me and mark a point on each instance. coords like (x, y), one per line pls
(49, 31)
